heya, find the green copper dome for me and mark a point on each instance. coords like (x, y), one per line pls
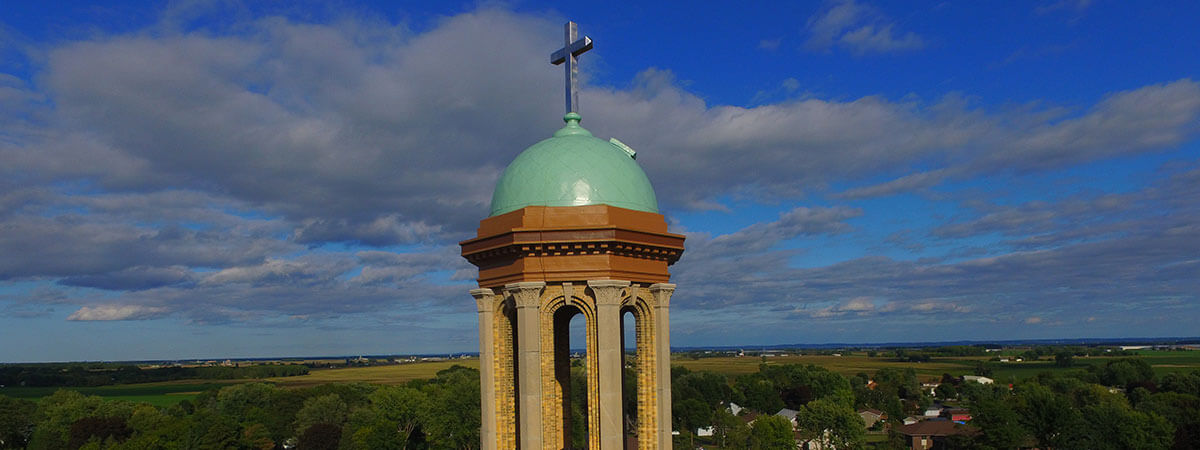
(573, 168)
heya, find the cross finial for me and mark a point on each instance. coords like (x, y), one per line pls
(572, 48)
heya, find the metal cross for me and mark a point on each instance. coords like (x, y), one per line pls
(571, 49)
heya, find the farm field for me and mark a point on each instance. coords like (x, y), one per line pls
(390, 374)
(845, 365)
(157, 394)
(852, 363)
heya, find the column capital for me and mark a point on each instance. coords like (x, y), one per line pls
(608, 292)
(484, 299)
(526, 293)
(662, 294)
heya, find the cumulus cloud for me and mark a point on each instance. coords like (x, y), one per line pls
(326, 170)
(1147, 249)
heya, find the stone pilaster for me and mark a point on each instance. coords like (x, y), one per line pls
(528, 297)
(486, 303)
(662, 301)
(505, 370)
(608, 337)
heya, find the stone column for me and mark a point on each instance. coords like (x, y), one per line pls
(662, 301)
(485, 301)
(611, 360)
(528, 297)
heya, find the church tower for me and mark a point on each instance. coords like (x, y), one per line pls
(574, 230)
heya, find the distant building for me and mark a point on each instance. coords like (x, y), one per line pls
(931, 388)
(931, 433)
(789, 414)
(911, 420)
(734, 408)
(957, 414)
(978, 379)
(933, 410)
(871, 416)
(1134, 347)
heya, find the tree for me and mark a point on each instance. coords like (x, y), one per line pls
(1182, 410)
(452, 420)
(237, 400)
(1064, 359)
(320, 436)
(1124, 371)
(759, 393)
(1048, 417)
(999, 425)
(983, 369)
(832, 424)
(99, 428)
(729, 430)
(327, 409)
(772, 433)
(1113, 425)
(400, 409)
(16, 422)
(691, 413)
(1183, 383)
(56, 413)
(946, 391)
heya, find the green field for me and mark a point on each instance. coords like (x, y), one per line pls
(157, 394)
(1162, 362)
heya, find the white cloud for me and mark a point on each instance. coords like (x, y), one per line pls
(859, 28)
(117, 312)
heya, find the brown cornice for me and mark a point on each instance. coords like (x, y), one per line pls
(540, 243)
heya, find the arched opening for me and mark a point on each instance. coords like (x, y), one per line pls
(630, 346)
(577, 407)
(570, 379)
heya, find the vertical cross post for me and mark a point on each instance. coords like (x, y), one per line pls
(573, 47)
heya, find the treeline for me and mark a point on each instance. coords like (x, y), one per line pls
(83, 375)
(438, 413)
(1065, 411)
(1122, 404)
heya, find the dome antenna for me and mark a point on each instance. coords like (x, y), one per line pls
(573, 47)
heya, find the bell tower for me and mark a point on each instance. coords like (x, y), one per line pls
(574, 230)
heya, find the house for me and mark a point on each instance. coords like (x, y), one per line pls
(704, 431)
(789, 414)
(823, 442)
(960, 415)
(933, 410)
(734, 408)
(931, 388)
(749, 417)
(871, 416)
(925, 435)
(978, 379)
(911, 420)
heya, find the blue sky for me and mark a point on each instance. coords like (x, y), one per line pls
(214, 179)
